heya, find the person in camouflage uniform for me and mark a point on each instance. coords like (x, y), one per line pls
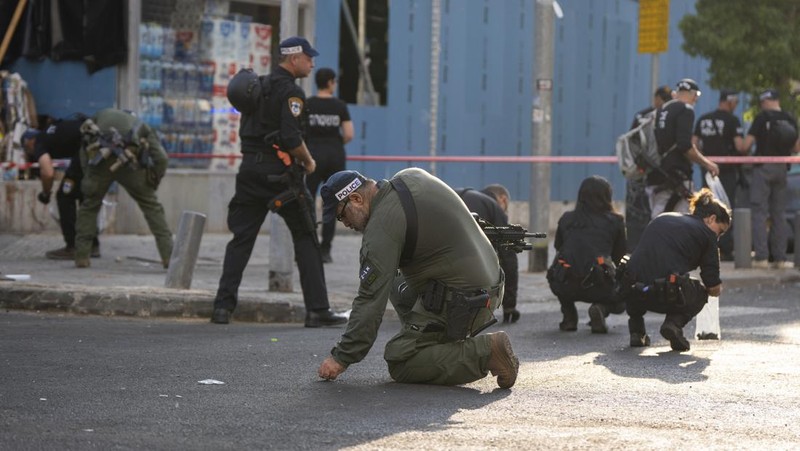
(118, 147)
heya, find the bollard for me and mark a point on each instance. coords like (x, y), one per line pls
(281, 255)
(796, 238)
(184, 253)
(742, 238)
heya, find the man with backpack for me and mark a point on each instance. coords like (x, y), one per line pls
(669, 186)
(775, 134)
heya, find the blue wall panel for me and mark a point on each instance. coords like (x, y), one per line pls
(63, 88)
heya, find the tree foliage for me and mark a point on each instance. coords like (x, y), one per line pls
(751, 45)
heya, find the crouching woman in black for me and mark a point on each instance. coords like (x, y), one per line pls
(656, 278)
(590, 241)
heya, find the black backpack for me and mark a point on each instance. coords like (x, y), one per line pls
(781, 134)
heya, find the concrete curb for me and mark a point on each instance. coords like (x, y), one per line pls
(143, 302)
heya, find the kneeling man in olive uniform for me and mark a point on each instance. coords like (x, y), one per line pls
(423, 251)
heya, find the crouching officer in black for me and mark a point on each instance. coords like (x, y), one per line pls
(61, 140)
(656, 278)
(590, 242)
(270, 178)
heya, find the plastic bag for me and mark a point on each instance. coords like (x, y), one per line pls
(716, 187)
(707, 321)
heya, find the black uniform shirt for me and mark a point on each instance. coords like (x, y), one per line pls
(760, 129)
(484, 205)
(717, 131)
(676, 243)
(580, 239)
(287, 105)
(61, 140)
(325, 116)
(674, 122)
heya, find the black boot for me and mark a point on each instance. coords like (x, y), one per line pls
(510, 315)
(597, 319)
(674, 334)
(639, 337)
(221, 316)
(570, 321)
(327, 317)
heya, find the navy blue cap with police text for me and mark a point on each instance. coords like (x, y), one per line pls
(728, 95)
(687, 84)
(296, 44)
(29, 133)
(769, 94)
(336, 189)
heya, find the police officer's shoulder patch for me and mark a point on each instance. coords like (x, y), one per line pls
(368, 273)
(296, 106)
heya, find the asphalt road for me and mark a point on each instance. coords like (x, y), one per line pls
(76, 382)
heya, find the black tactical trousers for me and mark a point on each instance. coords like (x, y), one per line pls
(246, 213)
(637, 304)
(330, 158)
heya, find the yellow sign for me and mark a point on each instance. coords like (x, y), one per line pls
(653, 26)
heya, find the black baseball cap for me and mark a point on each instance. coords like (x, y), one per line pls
(296, 44)
(336, 189)
(687, 84)
(769, 94)
(728, 95)
(664, 93)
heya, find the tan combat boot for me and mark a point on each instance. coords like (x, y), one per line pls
(502, 361)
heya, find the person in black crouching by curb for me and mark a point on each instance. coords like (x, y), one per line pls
(656, 278)
(590, 241)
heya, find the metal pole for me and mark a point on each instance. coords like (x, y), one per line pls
(541, 130)
(362, 40)
(742, 238)
(128, 74)
(436, 24)
(281, 251)
(797, 239)
(184, 253)
(654, 73)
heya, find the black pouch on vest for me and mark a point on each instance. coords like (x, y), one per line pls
(459, 317)
(434, 297)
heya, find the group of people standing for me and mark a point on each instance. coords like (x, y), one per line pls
(686, 230)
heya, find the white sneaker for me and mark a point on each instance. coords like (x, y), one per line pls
(760, 264)
(783, 265)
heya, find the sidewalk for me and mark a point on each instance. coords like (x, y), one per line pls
(128, 280)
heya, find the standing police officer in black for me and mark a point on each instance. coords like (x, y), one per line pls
(669, 187)
(719, 133)
(272, 108)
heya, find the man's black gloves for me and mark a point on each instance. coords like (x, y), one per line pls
(44, 197)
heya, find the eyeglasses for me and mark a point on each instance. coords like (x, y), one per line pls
(340, 215)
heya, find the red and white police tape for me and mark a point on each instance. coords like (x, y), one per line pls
(461, 159)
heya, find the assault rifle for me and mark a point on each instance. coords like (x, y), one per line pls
(295, 192)
(510, 237)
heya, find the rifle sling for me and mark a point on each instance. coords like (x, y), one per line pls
(411, 220)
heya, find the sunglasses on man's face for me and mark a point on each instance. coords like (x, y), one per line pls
(340, 215)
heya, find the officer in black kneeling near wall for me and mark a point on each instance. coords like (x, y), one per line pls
(589, 243)
(272, 108)
(656, 279)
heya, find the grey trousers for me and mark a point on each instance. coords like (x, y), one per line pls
(659, 198)
(768, 199)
